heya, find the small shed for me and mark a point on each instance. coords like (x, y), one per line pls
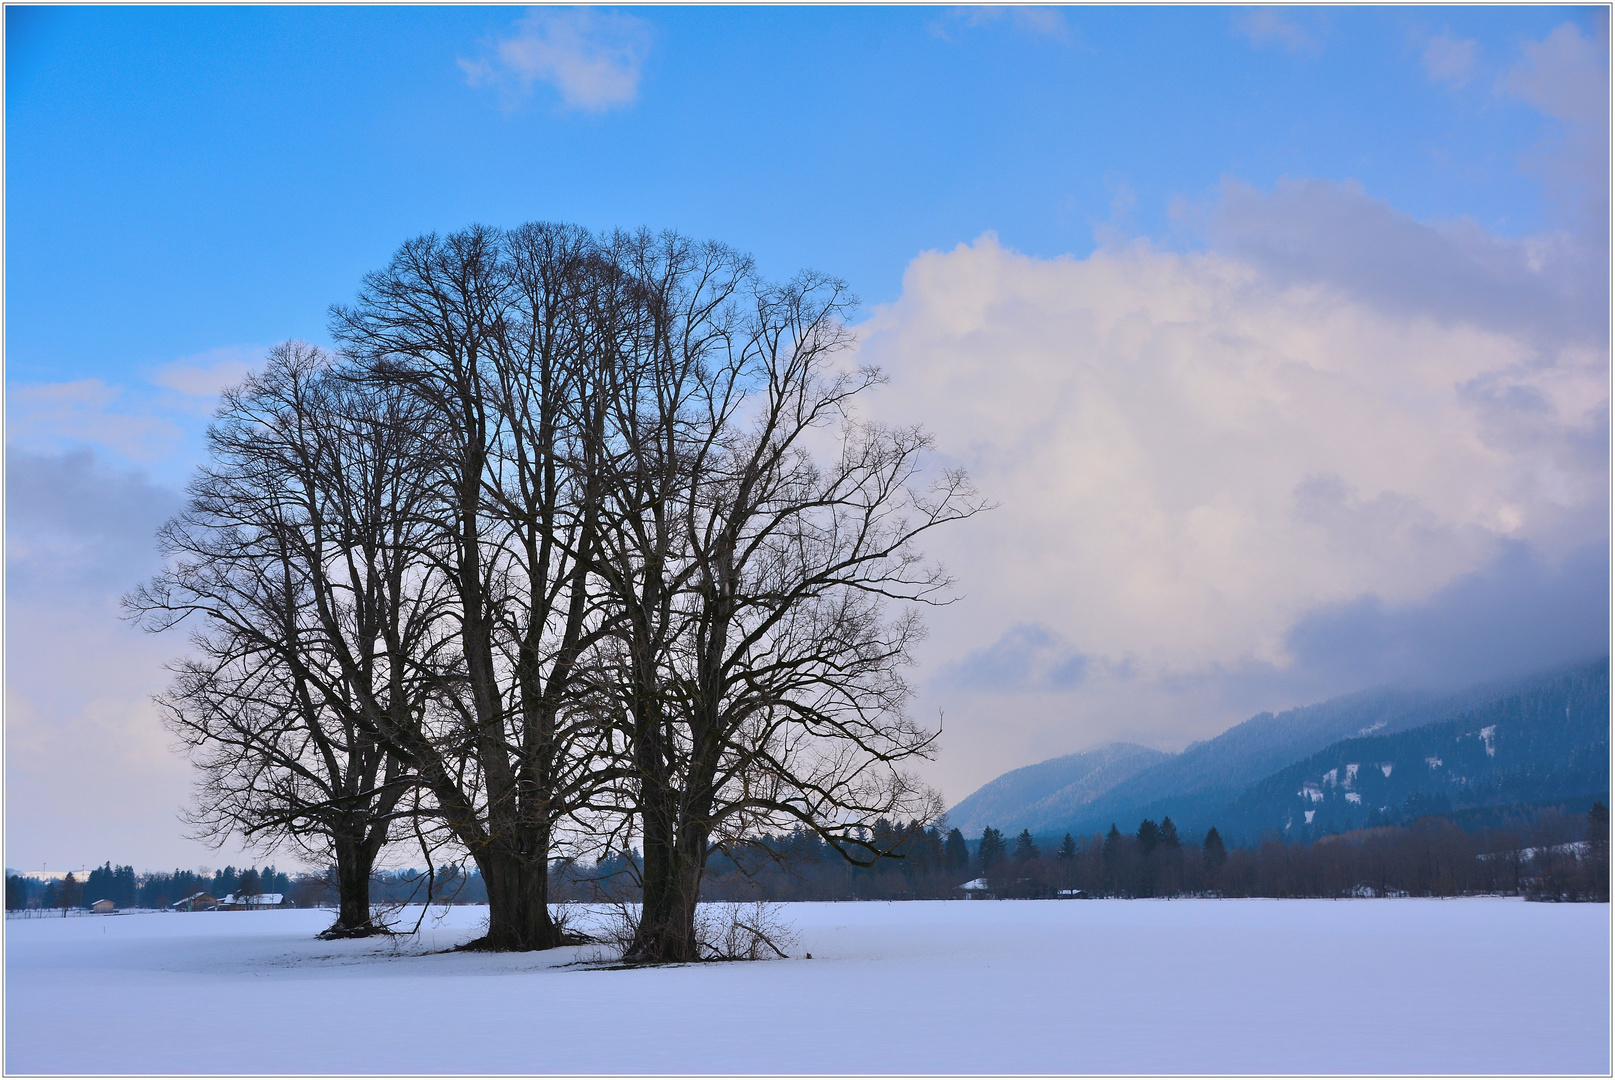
(103, 907)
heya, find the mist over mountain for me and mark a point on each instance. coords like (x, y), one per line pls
(1545, 740)
(1331, 766)
(1052, 790)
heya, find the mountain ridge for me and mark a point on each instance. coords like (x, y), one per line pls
(1210, 782)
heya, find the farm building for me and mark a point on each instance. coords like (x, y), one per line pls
(195, 902)
(254, 902)
(976, 889)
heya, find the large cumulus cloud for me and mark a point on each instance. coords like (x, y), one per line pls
(1209, 464)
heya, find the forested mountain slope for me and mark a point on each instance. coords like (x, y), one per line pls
(1550, 740)
(1233, 780)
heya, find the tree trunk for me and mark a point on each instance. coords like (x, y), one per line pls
(354, 861)
(518, 902)
(674, 863)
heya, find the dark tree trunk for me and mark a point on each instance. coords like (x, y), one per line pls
(354, 861)
(353, 887)
(675, 860)
(518, 901)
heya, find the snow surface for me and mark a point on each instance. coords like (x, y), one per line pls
(1484, 985)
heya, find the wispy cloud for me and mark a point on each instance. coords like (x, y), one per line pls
(1047, 22)
(1268, 26)
(1564, 75)
(1028, 657)
(154, 423)
(51, 416)
(593, 58)
(206, 374)
(1449, 60)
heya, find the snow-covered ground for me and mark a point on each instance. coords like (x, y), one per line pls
(1249, 986)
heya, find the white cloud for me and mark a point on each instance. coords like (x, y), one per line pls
(51, 416)
(206, 374)
(1192, 454)
(592, 57)
(1449, 60)
(1310, 231)
(157, 424)
(1266, 26)
(1565, 75)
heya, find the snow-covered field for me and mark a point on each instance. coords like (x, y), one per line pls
(1297, 986)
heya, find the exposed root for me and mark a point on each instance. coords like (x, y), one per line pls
(487, 944)
(340, 932)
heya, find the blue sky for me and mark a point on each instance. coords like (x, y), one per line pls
(181, 179)
(1279, 335)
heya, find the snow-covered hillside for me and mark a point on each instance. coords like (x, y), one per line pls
(1424, 986)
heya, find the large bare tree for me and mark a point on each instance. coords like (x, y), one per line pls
(758, 533)
(295, 563)
(492, 333)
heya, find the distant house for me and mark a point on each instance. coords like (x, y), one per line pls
(255, 902)
(195, 902)
(976, 889)
(103, 907)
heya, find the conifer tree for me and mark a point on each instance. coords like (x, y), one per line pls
(69, 894)
(1169, 834)
(955, 852)
(1215, 853)
(1025, 848)
(1149, 835)
(1598, 827)
(1067, 849)
(1112, 855)
(990, 852)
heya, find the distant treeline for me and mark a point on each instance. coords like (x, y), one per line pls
(1543, 854)
(126, 889)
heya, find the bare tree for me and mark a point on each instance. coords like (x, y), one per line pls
(490, 332)
(759, 675)
(295, 554)
(580, 539)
